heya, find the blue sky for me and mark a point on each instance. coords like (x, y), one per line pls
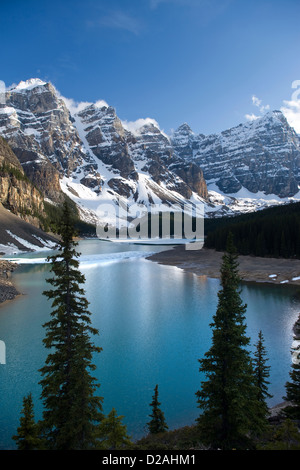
(205, 62)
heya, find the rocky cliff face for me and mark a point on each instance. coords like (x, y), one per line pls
(262, 155)
(17, 193)
(126, 154)
(37, 125)
(92, 156)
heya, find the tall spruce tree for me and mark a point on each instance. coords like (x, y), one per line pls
(27, 437)
(230, 411)
(293, 386)
(157, 424)
(72, 411)
(262, 372)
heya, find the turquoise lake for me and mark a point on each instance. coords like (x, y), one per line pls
(154, 325)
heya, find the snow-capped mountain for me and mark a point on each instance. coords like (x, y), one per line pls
(91, 155)
(94, 157)
(262, 155)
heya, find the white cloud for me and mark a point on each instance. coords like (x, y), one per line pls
(258, 104)
(291, 110)
(256, 101)
(251, 117)
(73, 106)
(77, 106)
(135, 126)
(101, 104)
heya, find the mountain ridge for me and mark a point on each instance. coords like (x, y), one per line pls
(94, 157)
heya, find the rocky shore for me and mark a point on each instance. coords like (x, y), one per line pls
(207, 262)
(7, 289)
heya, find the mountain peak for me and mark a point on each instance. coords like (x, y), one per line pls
(28, 84)
(184, 129)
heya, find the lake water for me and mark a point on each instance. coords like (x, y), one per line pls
(153, 322)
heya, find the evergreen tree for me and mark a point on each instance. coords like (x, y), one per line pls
(293, 387)
(112, 433)
(71, 410)
(27, 437)
(228, 396)
(158, 422)
(261, 372)
(285, 437)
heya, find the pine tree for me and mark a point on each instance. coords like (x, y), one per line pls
(228, 396)
(27, 437)
(158, 422)
(293, 387)
(71, 409)
(112, 433)
(262, 372)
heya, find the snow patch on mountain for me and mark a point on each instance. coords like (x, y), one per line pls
(27, 85)
(244, 201)
(99, 159)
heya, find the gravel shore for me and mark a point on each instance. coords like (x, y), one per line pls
(206, 262)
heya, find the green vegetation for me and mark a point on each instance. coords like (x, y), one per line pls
(284, 436)
(272, 232)
(185, 438)
(231, 410)
(27, 437)
(157, 424)
(112, 434)
(261, 373)
(9, 170)
(71, 409)
(53, 214)
(293, 386)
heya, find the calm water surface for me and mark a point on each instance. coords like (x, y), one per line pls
(153, 322)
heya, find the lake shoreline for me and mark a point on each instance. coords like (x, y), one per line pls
(7, 289)
(203, 262)
(207, 262)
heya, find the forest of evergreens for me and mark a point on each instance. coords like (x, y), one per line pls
(271, 232)
(53, 214)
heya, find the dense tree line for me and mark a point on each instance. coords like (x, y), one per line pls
(272, 232)
(54, 213)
